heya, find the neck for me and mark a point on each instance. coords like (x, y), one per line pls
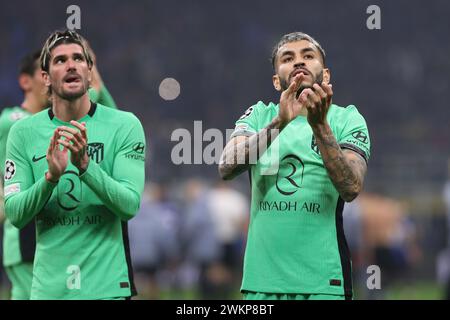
(31, 104)
(66, 110)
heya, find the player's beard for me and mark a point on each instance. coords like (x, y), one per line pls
(72, 95)
(316, 79)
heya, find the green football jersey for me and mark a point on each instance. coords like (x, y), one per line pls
(296, 241)
(82, 249)
(8, 117)
(19, 246)
(102, 97)
(14, 250)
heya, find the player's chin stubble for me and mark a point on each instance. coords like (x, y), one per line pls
(71, 96)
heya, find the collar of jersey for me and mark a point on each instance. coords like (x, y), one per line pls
(90, 114)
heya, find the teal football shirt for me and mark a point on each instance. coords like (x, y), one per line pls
(82, 249)
(296, 242)
(14, 251)
(19, 246)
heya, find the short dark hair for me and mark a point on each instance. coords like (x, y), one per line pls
(29, 63)
(63, 37)
(293, 37)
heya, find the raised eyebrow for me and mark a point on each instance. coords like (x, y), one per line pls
(287, 52)
(60, 56)
(304, 50)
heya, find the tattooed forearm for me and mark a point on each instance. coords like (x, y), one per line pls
(345, 168)
(243, 151)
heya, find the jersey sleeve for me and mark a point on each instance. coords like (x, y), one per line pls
(103, 97)
(248, 123)
(354, 134)
(121, 192)
(24, 198)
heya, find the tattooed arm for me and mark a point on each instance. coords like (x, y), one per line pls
(241, 151)
(346, 168)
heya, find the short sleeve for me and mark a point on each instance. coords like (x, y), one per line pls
(248, 123)
(355, 134)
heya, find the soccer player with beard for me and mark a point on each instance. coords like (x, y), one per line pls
(306, 156)
(19, 245)
(78, 170)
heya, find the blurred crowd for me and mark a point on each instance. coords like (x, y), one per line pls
(189, 241)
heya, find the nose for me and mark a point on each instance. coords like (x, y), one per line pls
(299, 62)
(70, 65)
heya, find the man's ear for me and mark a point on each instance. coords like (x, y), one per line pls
(326, 75)
(25, 82)
(276, 82)
(90, 75)
(46, 78)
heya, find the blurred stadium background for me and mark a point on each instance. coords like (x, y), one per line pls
(187, 241)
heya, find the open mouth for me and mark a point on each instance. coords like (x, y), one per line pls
(72, 79)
